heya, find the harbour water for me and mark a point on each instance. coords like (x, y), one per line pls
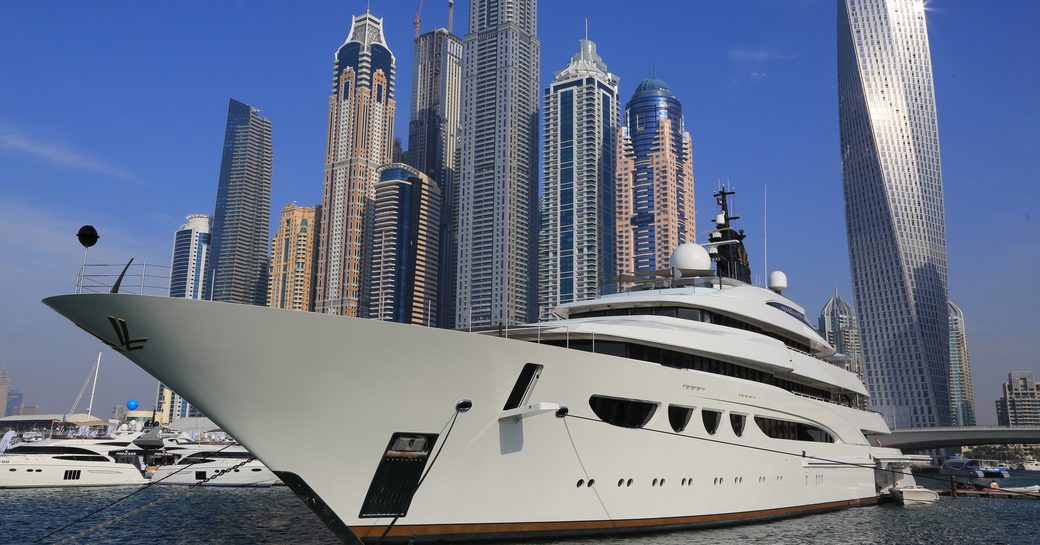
(275, 515)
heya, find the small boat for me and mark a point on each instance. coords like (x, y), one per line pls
(229, 466)
(1029, 465)
(977, 469)
(915, 495)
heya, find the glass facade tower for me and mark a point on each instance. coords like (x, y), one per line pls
(243, 210)
(498, 188)
(433, 144)
(894, 207)
(962, 395)
(360, 140)
(839, 325)
(654, 199)
(189, 266)
(576, 242)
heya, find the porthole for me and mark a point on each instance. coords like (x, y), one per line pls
(654, 483)
(591, 482)
(662, 482)
(581, 482)
(684, 482)
(629, 483)
(620, 482)
(13, 469)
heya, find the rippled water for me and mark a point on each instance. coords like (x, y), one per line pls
(275, 515)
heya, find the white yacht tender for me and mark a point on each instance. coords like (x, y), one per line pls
(697, 400)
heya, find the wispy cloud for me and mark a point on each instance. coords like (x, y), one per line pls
(757, 76)
(13, 141)
(758, 55)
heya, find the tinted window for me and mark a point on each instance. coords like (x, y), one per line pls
(792, 431)
(737, 421)
(711, 420)
(626, 413)
(679, 417)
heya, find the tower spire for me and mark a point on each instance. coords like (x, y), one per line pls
(586, 29)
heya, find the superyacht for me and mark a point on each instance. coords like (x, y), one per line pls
(690, 399)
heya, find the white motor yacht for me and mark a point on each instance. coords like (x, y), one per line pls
(70, 463)
(217, 466)
(694, 399)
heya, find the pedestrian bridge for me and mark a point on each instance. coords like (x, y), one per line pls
(933, 438)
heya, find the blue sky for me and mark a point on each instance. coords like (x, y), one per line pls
(112, 113)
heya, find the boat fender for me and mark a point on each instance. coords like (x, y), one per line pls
(562, 412)
(463, 405)
(803, 454)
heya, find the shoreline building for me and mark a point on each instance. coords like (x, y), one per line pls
(189, 266)
(1019, 404)
(839, 325)
(294, 256)
(433, 144)
(360, 140)
(894, 207)
(243, 211)
(962, 394)
(14, 401)
(498, 188)
(170, 406)
(403, 281)
(576, 242)
(654, 192)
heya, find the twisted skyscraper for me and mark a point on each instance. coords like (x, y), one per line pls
(894, 207)
(498, 189)
(360, 139)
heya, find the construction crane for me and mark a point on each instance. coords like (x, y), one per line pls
(418, 20)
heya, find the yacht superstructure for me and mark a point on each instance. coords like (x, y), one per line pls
(693, 399)
(71, 463)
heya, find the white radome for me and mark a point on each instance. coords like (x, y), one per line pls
(777, 281)
(690, 256)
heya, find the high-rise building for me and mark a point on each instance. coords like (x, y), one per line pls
(576, 242)
(433, 143)
(405, 247)
(294, 254)
(191, 262)
(5, 384)
(119, 413)
(14, 400)
(962, 395)
(360, 140)
(654, 191)
(243, 210)
(498, 188)
(170, 406)
(1019, 404)
(839, 325)
(894, 207)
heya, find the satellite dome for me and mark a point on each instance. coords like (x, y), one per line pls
(777, 281)
(690, 256)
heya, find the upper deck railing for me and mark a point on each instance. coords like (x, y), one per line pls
(140, 278)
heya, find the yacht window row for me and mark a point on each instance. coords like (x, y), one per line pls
(636, 413)
(685, 360)
(700, 315)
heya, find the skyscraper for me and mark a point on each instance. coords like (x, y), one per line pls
(654, 191)
(962, 395)
(433, 138)
(189, 269)
(576, 242)
(294, 253)
(498, 189)
(1019, 403)
(405, 247)
(838, 324)
(243, 210)
(894, 207)
(5, 383)
(360, 140)
(14, 401)
(169, 406)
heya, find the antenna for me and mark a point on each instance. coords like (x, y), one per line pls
(765, 232)
(451, 14)
(586, 29)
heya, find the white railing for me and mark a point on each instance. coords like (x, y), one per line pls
(140, 278)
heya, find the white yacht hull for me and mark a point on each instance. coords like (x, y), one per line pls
(42, 471)
(252, 474)
(317, 398)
